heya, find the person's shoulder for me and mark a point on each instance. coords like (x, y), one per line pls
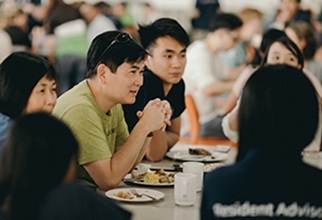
(75, 102)
(78, 94)
(75, 201)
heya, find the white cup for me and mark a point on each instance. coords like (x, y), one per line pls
(195, 168)
(185, 189)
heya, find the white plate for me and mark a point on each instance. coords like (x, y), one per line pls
(184, 155)
(128, 178)
(157, 194)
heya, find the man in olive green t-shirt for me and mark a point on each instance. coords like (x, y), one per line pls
(93, 111)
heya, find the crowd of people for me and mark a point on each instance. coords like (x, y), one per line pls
(86, 93)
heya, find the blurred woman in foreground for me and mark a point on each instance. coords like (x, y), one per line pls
(278, 117)
(37, 174)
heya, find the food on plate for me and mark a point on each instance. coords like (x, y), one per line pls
(199, 151)
(156, 177)
(151, 178)
(125, 195)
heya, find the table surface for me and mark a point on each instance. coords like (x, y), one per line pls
(166, 208)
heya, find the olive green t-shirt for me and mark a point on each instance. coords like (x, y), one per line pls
(98, 133)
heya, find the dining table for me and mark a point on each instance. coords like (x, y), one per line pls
(166, 207)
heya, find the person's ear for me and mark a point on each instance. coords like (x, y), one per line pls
(102, 71)
(148, 61)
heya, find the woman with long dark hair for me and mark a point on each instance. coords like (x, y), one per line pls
(278, 118)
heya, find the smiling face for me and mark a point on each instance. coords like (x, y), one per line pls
(43, 97)
(279, 54)
(167, 60)
(123, 85)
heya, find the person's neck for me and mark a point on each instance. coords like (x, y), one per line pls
(99, 96)
(166, 88)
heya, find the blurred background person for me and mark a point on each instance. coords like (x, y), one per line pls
(107, 10)
(150, 14)
(204, 12)
(267, 38)
(281, 50)
(205, 75)
(97, 22)
(303, 36)
(121, 11)
(65, 25)
(17, 28)
(238, 57)
(288, 12)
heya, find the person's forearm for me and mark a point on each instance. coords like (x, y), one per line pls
(163, 140)
(109, 174)
(158, 146)
(143, 151)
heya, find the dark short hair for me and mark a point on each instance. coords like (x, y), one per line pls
(116, 55)
(290, 45)
(161, 28)
(35, 159)
(278, 113)
(225, 21)
(19, 74)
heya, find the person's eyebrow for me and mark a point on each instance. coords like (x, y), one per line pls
(172, 51)
(135, 67)
(45, 84)
(169, 51)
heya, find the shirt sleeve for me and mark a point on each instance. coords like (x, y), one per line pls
(88, 128)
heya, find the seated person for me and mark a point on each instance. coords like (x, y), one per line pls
(278, 117)
(93, 110)
(239, 83)
(162, 79)
(27, 84)
(281, 50)
(304, 37)
(289, 11)
(238, 57)
(205, 75)
(37, 175)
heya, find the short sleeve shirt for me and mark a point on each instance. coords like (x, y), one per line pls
(98, 133)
